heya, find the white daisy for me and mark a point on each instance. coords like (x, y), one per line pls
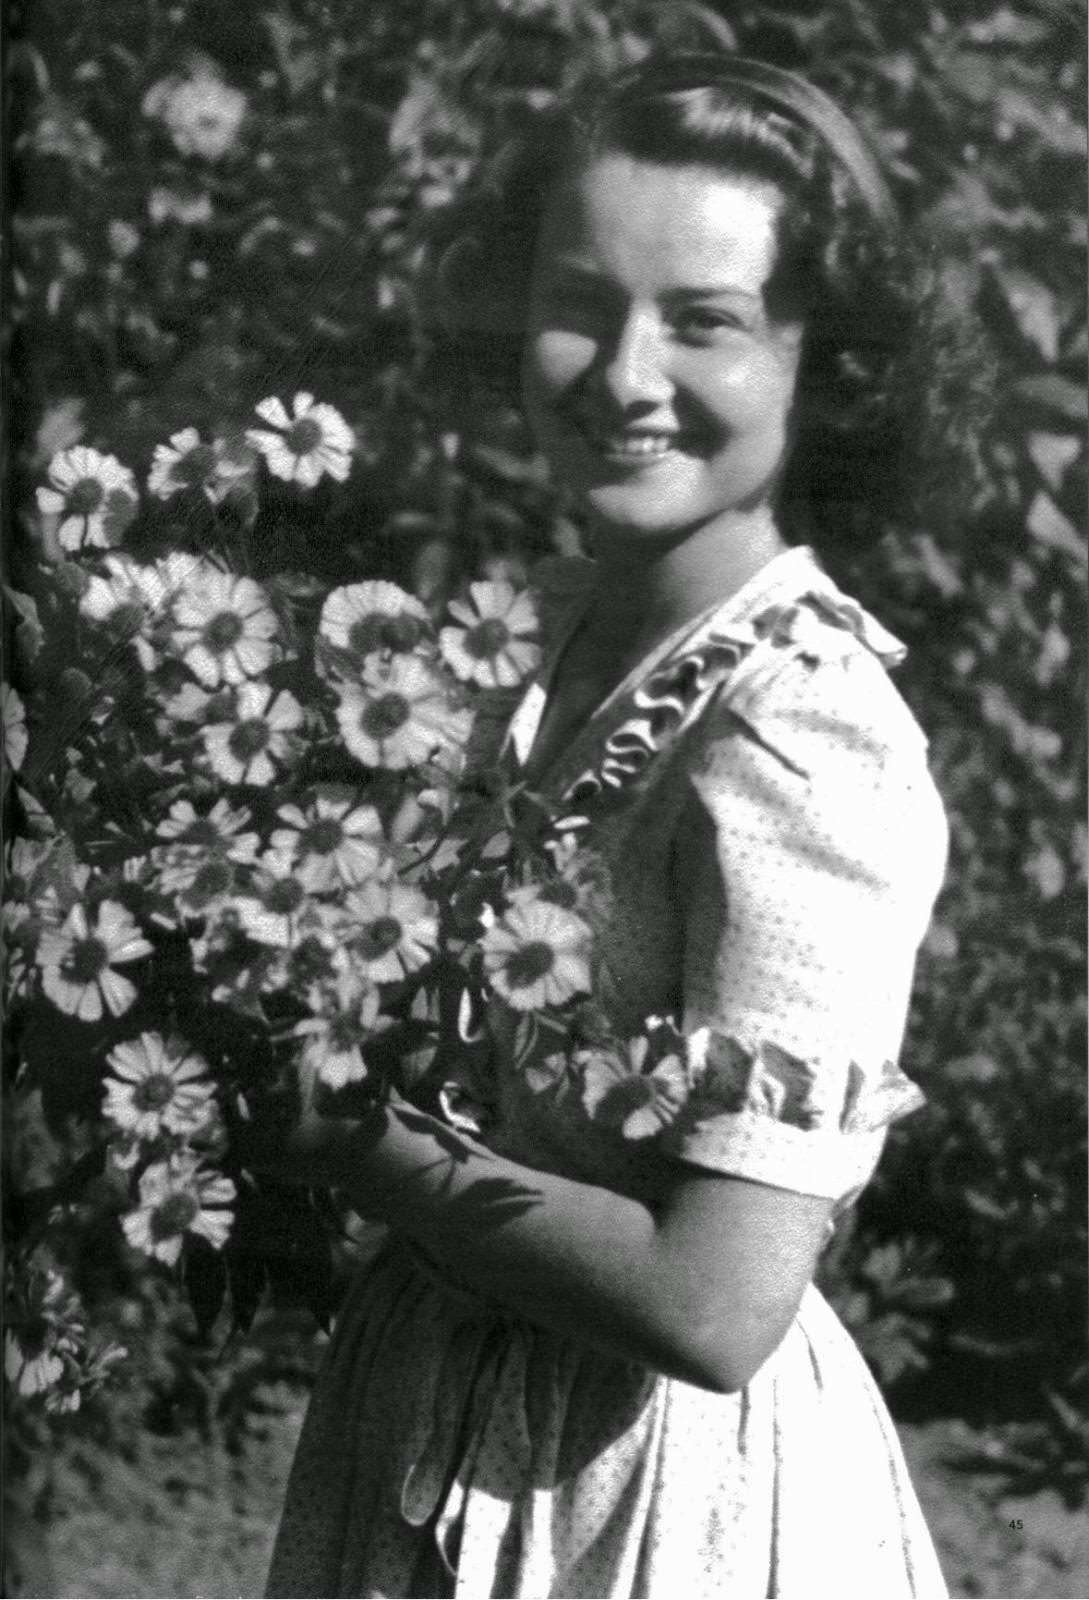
(93, 495)
(220, 831)
(187, 463)
(224, 629)
(245, 749)
(44, 1337)
(177, 1198)
(345, 1014)
(13, 721)
(161, 1084)
(496, 646)
(31, 1361)
(375, 616)
(317, 440)
(619, 1092)
(392, 928)
(201, 113)
(125, 601)
(333, 841)
(78, 961)
(275, 910)
(537, 955)
(400, 716)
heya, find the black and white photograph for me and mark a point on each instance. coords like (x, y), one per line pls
(544, 799)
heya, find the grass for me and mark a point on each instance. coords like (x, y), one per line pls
(189, 1519)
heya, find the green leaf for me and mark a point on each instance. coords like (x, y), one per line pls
(205, 1284)
(29, 633)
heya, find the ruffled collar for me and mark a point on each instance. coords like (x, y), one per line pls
(791, 603)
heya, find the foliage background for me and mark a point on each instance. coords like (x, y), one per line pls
(149, 289)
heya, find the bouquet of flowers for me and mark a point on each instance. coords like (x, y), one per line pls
(254, 860)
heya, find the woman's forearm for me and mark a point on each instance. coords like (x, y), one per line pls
(578, 1259)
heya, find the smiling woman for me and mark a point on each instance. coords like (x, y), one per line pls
(592, 1360)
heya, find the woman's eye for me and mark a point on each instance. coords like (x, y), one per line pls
(706, 319)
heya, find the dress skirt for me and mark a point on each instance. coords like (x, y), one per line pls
(451, 1449)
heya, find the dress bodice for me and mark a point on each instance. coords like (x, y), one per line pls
(766, 846)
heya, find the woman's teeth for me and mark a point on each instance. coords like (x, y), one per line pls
(635, 445)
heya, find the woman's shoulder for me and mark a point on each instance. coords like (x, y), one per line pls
(814, 673)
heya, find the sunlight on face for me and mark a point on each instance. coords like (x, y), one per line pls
(653, 378)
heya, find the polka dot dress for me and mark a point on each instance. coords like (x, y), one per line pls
(789, 845)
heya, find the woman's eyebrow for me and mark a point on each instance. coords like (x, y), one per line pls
(712, 291)
(601, 280)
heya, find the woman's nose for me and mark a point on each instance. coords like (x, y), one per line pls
(634, 369)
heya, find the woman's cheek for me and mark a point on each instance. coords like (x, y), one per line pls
(753, 388)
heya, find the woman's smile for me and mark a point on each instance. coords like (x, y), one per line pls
(630, 447)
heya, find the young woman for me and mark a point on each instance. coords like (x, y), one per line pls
(588, 1366)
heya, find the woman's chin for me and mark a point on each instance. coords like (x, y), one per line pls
(621, 508)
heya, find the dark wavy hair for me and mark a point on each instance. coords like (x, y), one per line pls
(892, 381)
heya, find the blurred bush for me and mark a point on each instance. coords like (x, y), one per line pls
(214, 203)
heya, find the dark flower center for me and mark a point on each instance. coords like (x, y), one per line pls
(321, 838)
(86, 960)
(196, 465)
(383, 715)
(154, 1092)
(126, 618)
(304, 436)
(173, 1216)
(379, 631)
(248, 738)
(203, 833)
(308, 962)
(343, 1031)
(402, 632)
(284, 896)
(380, 936)
(121, 507)
(35, 1337)
(561, 893)
(211, 878)
(487, 638)
(222, 631)
(85, 496)
(530, 962)
(634, 1092)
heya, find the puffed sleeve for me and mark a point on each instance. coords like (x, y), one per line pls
(810, 851)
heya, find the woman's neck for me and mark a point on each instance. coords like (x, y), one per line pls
(646, 590)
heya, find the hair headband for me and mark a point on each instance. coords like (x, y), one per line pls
(795, 96)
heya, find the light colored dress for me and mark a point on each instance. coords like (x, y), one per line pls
(770, 844)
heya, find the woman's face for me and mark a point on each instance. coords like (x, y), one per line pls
(653, 378)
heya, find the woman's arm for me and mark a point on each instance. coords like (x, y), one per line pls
(703, 1289)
